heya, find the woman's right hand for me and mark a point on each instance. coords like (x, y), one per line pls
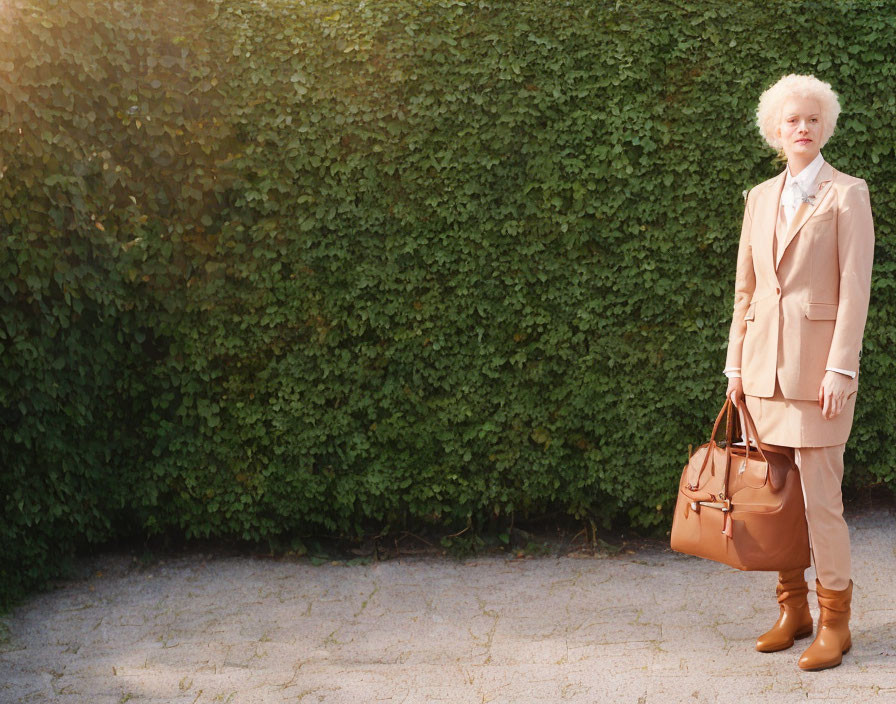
(735, 390)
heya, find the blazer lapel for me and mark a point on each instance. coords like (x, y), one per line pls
(766, 218)
(822, 185)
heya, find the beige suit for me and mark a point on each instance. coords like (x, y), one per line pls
(803, 309)
(801, 300)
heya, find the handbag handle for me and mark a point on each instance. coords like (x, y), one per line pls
(746, 433)
(712, 439)
(729, 432)
(750, 431)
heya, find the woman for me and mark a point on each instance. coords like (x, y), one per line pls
(801, 298)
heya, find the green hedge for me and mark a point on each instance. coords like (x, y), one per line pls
(275, 268)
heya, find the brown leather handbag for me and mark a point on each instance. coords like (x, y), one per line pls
(741, 505)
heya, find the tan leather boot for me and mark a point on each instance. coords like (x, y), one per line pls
(833, 638)
(795, 619)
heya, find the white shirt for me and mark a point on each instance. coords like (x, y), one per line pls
(794, 187)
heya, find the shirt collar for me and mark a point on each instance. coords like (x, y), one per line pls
(806, 177)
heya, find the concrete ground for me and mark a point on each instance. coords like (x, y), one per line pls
(649, 627)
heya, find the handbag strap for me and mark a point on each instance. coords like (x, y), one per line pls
(729, 437)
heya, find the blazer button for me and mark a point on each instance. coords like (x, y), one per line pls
(778, 291)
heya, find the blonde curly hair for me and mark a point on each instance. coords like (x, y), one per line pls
(771, 102)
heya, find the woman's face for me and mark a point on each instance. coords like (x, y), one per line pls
(800, 128)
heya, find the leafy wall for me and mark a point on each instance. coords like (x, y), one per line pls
(285, 267)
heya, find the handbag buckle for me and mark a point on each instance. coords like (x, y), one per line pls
(723, 506)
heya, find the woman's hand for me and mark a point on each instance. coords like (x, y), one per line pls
(735, 390)
(832, 393)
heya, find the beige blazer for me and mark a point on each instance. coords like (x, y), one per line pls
(804, 310)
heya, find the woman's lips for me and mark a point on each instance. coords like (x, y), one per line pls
(803, 141)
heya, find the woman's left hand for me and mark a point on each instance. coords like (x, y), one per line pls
(832, 393)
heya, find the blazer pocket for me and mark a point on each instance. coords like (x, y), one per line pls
(826, 215)
(751, 312)
(821, 311)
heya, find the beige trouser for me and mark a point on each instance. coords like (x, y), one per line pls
(821, 473)
(799, 425)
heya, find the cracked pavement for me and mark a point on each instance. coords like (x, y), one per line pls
(650, 627)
